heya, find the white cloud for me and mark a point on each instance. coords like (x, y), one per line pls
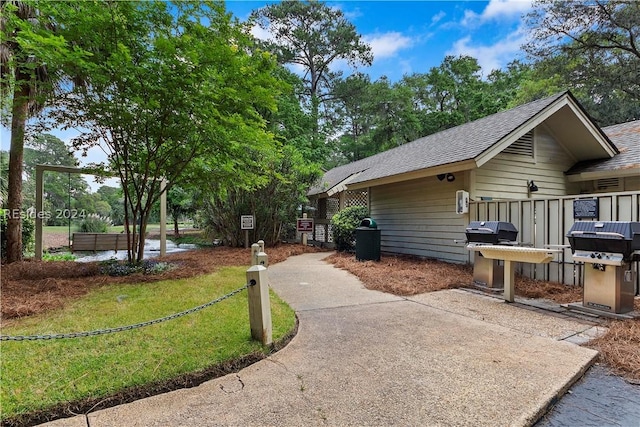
(496, 9)
(491, 57)
(260, 33)
(437, 17)
(388, 44)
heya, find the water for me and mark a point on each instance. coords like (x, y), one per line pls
(151, 250)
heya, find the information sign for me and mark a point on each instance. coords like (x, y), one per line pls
(246, 222)
(305, 224)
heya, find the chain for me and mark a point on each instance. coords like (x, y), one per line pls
(123, 328)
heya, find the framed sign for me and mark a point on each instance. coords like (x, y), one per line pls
(585, 208)
(246, 222)
(304, 224)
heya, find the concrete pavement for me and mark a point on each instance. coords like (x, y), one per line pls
(450, 358)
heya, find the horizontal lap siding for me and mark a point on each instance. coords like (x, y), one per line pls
(418, 218)
(506, 176)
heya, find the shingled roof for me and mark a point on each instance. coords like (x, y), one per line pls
(626, 137)
(467, 142)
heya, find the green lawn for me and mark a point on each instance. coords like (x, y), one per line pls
(37, 375)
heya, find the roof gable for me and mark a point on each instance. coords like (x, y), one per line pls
(473, 144)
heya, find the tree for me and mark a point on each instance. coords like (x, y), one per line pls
(173, 92)
(33, 55)
(180, 202)
(312, 35)
(289, 177)
(593, 47)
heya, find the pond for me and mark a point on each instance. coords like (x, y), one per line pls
(151, 250)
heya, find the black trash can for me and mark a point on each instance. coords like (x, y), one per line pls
(368, 241)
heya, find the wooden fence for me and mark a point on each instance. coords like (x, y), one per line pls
(545, 222)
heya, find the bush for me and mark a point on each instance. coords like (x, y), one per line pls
(344, 225)
(94, 223)
(113, 267)
(28, 234)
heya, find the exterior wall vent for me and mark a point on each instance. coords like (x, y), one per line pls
(608, 184)
(522, 147)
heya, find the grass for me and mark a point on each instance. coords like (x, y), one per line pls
(37, 375)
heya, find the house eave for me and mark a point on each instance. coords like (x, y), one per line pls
(615, 173)
(608, 149)
(417, 174)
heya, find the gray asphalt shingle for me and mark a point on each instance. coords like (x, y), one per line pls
(464, 142)
(626, 137)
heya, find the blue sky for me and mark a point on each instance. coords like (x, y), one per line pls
(411, 36)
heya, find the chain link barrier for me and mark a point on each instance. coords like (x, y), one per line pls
(124, 328)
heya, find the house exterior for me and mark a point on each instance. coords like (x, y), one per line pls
(411, 190)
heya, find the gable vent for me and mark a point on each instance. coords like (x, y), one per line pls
(523, 146)
(608, 184)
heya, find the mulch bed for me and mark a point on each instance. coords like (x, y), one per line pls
(31, 287)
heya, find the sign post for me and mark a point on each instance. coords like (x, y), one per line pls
(246, 224)
(304, 225)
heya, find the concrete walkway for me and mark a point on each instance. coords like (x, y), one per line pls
(450, 358)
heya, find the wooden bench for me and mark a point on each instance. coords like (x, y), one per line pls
(99, 242)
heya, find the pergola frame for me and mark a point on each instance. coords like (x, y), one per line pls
(40, 169)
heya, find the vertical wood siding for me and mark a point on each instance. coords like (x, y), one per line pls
(543, 222)
(418, 217)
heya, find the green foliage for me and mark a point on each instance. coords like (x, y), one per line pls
(94, 223)
(176, 91)
(28, 234)
(273, 203)
(39, 375)
(114, 267)
(344, 225)
(596, 56)
(63, 256)
(313, 35)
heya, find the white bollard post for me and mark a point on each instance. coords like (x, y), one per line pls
(259, 304)
(255, 249)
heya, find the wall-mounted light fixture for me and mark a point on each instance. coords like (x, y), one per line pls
(448, 176)
(531, 186)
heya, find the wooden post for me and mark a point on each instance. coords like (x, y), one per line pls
(39, 213)
(255, 250)
(163, 217)
(509, 281)
(259, 304)
(261, 256)
(304, 234)
(246, 238)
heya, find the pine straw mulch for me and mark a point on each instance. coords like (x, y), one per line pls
(31, 287)
(405, 275)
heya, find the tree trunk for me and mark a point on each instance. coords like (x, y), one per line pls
(19, 111)
(176, 231)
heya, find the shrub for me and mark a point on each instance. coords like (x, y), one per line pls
(113, 267)
(28, 233)
(95, 223)
(344, 225)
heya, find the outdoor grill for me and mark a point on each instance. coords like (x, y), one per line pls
(489, 272)
(607, 249)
